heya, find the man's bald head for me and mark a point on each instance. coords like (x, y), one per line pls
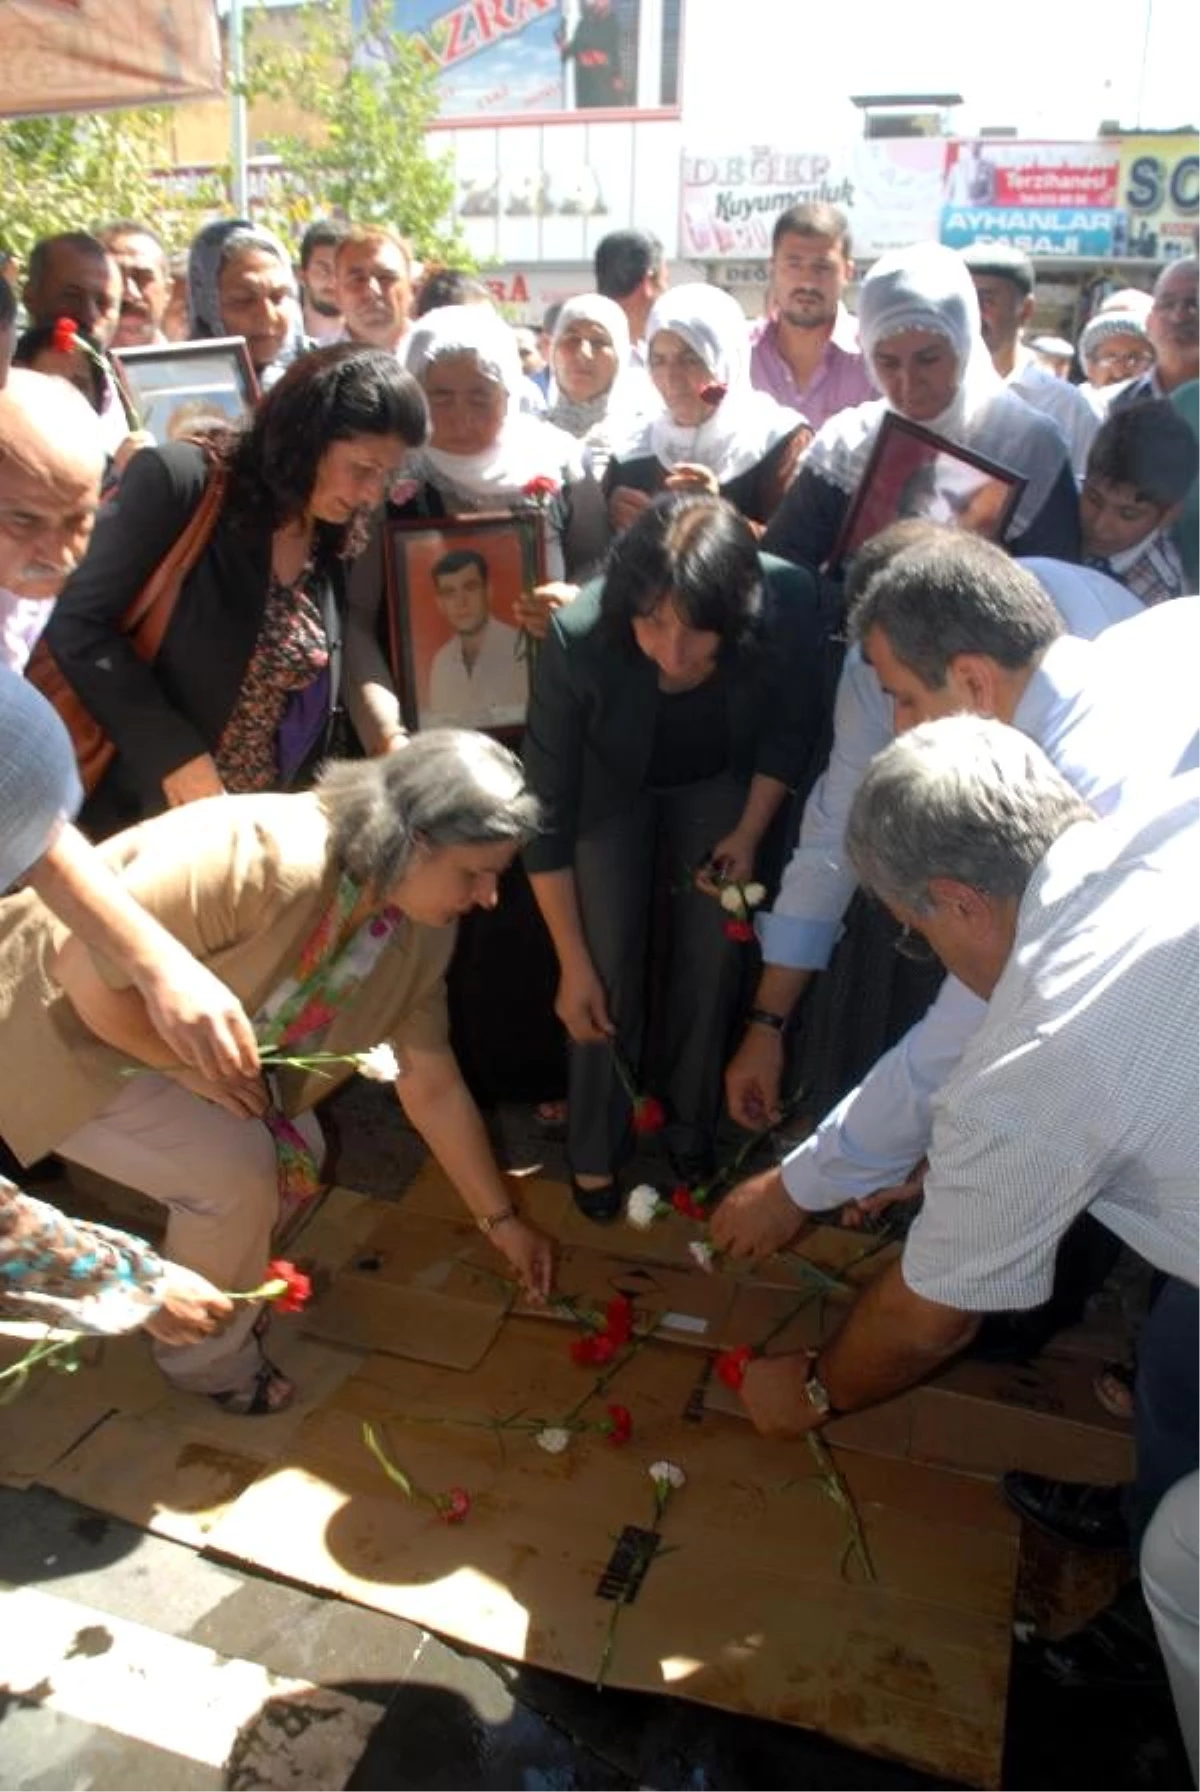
(51, 462)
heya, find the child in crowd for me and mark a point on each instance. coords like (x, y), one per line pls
(1140, 468)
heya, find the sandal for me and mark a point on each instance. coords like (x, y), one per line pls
(268, 1392)
(1113, 1388)
(601, 1205)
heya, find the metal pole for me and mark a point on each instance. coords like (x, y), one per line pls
(1145, 59)
(237, 120)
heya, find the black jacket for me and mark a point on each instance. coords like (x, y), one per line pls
(161, 715)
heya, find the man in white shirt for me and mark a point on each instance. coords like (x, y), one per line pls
(1079, 1091)
(948, 626)
(1004, 282)
(477, 680)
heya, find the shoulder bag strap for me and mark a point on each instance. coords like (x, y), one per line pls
(148, 616)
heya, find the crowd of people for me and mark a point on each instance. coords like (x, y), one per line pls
(934, 741)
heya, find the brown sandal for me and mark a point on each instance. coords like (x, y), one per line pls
(255, 1400)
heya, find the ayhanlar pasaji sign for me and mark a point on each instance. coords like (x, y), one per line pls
(85, 55)
(1045, 198)
(889, 188)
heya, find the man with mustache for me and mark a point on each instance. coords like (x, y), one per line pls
(51, 462)
(806, 351)
(145, 282)
(374, 287)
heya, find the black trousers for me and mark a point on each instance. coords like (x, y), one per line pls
(614, 875)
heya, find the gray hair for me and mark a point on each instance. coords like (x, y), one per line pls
(962, 798)
(449, 787)
(955, 593)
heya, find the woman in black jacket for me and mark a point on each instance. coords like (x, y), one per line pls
(675, 706)
(246, 686)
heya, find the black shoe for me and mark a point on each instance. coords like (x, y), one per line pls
(600, 1205)
(1116, 1649)
(1076, 1512)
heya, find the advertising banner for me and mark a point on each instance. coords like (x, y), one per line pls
(1158, 194)
(84, 55)
(1045, 198)
(889, 188)
(527, 58)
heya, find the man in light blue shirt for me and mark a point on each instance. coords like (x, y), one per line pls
(950, 624)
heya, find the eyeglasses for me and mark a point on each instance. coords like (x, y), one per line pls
(914, 946)
(1131, 362)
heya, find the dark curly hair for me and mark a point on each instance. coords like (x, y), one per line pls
(326, 396)
(35, 341)
(698, 554)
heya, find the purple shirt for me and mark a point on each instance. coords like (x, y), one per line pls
(841, 378)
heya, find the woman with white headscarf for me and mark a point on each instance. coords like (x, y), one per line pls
(240, 283)
(918, 321)
(596, 396)
(715, 433)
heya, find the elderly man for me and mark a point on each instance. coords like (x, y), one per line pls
(1079, 1092)
(1004, 281)
(51, 461)
(806, 351)
(374, 287)
(141, 257)
(1173, 326)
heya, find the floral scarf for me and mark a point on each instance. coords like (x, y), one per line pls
(331, 967)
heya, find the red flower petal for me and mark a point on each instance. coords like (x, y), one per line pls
(583, 1350)
(65, 332)
(299, 1286)
(603, 1349)
(649, 1115)
(713, 392)
(732, 1366)
(620, 1427)
(541, 487)
(739, 930)
(454, 1506)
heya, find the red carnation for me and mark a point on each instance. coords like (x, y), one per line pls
(684, 1202)
(732, 1366)
(620, 1425)
(618, 1319)
(649, 1115)
(541, 489)
(65, 332)
(299, 1286)
(454, 1506)
(596, 1348)
(741, 931)
(714, 392)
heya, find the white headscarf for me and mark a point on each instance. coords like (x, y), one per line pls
(609, 420)
(746, 424)
(527, 447)
(928, 287)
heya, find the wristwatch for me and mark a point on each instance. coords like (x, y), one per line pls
(816, 1393)
(487, 1225)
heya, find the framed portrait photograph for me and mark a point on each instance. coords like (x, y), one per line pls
(178, 388)
(914, 473)
(458, 656)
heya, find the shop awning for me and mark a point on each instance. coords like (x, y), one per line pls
(84, 55)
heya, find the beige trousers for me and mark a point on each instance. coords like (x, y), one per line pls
(215, 1174)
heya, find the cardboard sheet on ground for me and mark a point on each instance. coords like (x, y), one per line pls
(747, 1606)
(749, 1610)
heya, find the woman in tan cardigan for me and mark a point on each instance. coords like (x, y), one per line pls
(331, 915)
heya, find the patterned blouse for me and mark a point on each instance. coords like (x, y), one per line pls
(71, 1273)
(290, 653)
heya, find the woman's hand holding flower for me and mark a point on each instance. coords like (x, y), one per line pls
(533, 609)
(582, 1006)
(191, 1307)
(245, 1097)
(733, 859)
(530, 1253)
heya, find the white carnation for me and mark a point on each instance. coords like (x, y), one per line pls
(554, 1440)
(731, 898)
(754, 894)
(379, 1065)
(641, 1209)
(703, 1253)
(667, 1474)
